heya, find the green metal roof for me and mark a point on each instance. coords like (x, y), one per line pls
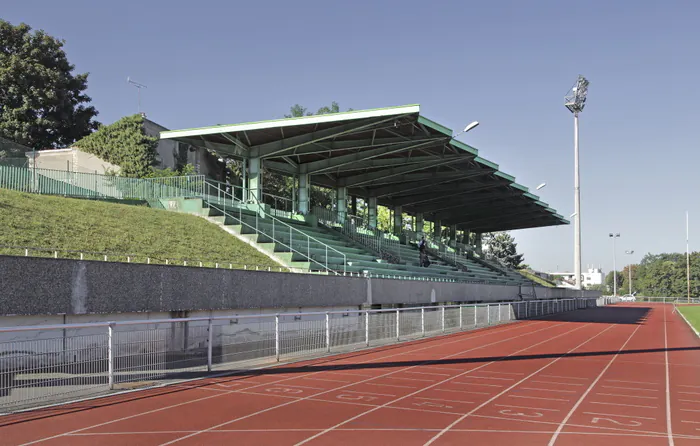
(394, 154)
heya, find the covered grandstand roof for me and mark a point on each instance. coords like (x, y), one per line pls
(394, 154)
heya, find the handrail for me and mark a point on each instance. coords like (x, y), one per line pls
(355, 228)
(286, 209)
(227, 196)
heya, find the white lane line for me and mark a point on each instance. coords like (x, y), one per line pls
(313, 437)
(365, 393)
(617, 415)
(589, 389)
(449, 401)
(526, 407)
(414, 379)
(669, 427)
(463, 417)
(692, 422)
(382, 358)
(557, 383)
(478, 384)
(629, 396)
(387, 385)
(536, 398)
(501, 373)
(325, 380)
(630, 382)
(490, 377)
(429, 373)
(630, 388)
(294, 385)
(461, 391)
(690, 410)
(624, 405)
(690, 401)
(548, 390)
(681, 385)
(350, 374)
(564, 377)
(690, 393)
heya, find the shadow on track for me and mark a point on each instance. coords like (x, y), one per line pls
(603, 315)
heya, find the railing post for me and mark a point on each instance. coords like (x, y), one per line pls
(422, 321)
(499, 313)
(488, 314)
(328, 333)
(110, 355)
(460, 317)
(210, 339)
(398, 327)
(277, 337)
(367, 328)
(476, 321)
(443, 318)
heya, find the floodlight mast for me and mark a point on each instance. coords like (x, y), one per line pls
(575, 101)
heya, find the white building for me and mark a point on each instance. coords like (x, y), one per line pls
(591, 277)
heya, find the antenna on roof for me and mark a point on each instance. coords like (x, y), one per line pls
(139, 87)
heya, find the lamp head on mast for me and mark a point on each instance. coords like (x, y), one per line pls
(575, 100)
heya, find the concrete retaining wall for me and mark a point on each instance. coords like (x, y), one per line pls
(36, 286)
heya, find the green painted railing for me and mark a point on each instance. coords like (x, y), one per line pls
(91, 185)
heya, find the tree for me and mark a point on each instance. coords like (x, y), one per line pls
(502, 246)
(610, 281)
(125, 144)
(42, 103)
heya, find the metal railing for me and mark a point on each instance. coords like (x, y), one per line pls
(384, 245)
(279, 232)
(50, 364)
(96, 186)
(279, 206)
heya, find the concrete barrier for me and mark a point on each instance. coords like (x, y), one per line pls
(40, 286)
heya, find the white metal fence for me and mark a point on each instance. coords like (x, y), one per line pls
(43, 365)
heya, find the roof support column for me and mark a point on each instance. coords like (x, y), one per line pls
(341, 201)
(478, 248)
(353, 205)
(420, 222)
(398, 220)
(372, 212)
(437, 229)
(453, 234)
(303, 193)
(255, 179)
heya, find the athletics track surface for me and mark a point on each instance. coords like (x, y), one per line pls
(619, 375)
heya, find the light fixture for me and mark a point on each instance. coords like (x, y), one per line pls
(541, 186)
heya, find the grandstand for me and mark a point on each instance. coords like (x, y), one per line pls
(392, 157)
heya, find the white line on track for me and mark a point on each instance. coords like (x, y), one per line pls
(366, 393)
(402, 353)
(681, 385)
(449, 401)
(434, 385)
(689, 401)
(624, 405)
(526, 407)
(589, 389)
(616, 415)
(629, 396)
(454, 423)
(490, 377)
(548, 390)
(477, 384)
(630, 388)
(535, 398)
(564, 377)
(669, 427)
(386, 385)
(690, 410)
(323, 379)
(429, 373)
(461, 391)
(557, 383)
(501, 373)
(630, 382)
(690, 393)
(414, 379)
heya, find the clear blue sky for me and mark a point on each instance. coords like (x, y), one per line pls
(507, 64)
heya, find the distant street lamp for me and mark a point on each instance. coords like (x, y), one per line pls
(467, 128)
(630, 252)
(541, 186)
(614, 236)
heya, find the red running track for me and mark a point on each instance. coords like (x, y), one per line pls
(621, 375)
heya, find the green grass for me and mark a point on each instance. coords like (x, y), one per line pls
(692, 313)
(67, 224)
(538, 280)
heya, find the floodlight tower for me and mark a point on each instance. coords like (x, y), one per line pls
(575, 101)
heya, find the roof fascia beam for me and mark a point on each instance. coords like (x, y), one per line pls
(357, 180)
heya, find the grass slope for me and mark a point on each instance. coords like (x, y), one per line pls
(538, 280)
(81, 225)
(692, 313)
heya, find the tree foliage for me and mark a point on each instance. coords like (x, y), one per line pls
(665, 275)
(125, 144)
(502, 246)
(42, 103)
